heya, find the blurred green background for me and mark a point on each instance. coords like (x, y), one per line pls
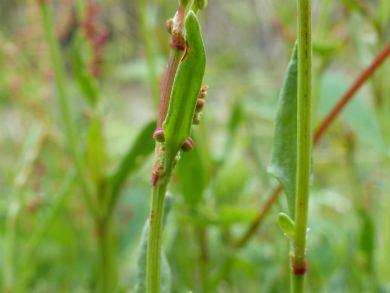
(50, 241)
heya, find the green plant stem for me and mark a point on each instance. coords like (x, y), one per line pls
(155, 237)
(60, 78)
(304, 136)
(297, 282)
(107, 271)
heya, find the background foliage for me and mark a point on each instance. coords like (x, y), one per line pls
(219, 188)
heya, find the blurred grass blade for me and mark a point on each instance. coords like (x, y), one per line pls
(283, 162)
(192, 174)
(31, 152)
(256, 155)
(142, 257)
(96, 152)
(43, 228)
(185, 91)
(133, 160)
(83, 76)
(234, 123)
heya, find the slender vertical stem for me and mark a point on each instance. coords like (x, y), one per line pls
(304, 145)
(159, 187)
(60, 77)
(155, 238)
(107, 275)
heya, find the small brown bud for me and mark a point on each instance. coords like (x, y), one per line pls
(203, 92)
(159, 135)
(188, 145)
(196, 119)
(200, 103)
(169, 25)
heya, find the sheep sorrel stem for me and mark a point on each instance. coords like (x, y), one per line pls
(155, 235)
(298, 260)
(159, 185)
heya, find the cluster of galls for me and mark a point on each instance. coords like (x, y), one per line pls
(188, 144)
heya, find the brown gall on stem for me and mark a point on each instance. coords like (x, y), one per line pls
(169, 25)
(188, 145)
(155, 176)
(200, 103)
(196, 119)
(296, 270)
(159, 135)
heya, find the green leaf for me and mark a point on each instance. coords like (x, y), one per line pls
(83, 76)
(287, 225)
(185, 91)
(283, 162)
(192, 174)
(135, 156)
(96, 152)
(142, 257)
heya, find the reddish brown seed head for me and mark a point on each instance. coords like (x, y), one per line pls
(188, 145)
(159, 135)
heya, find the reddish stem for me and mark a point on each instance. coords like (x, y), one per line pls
(318, 134)
(349, 94)
(178, 46)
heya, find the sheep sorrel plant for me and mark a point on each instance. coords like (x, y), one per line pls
(291, 155)
(180, 106)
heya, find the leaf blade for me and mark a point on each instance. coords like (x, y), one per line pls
(283, 162)
(185, 91)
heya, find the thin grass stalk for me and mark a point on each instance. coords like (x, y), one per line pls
(60, 79)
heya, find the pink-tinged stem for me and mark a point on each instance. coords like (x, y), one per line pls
(169, 77)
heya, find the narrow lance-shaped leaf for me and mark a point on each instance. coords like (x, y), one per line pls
(283, 162)
(185, 91)
(142, 257)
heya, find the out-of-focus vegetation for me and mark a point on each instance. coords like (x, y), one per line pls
(114, 54)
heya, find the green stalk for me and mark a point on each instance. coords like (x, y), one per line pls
(155, 237)
(107, 265)
(60, 78)
(304, 146)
